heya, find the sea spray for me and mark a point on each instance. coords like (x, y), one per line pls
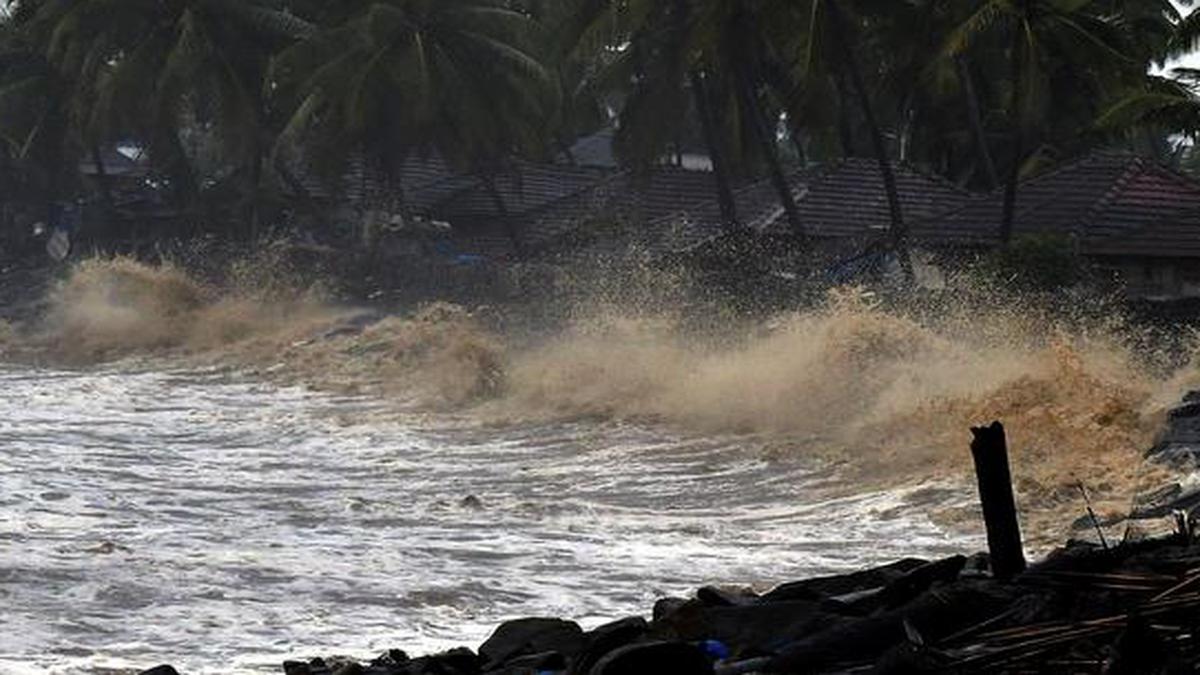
(883, 391)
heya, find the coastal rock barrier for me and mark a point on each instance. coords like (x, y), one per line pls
(1125, 606)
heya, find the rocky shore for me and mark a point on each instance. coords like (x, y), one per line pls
(1130, 608)
(1125, 603)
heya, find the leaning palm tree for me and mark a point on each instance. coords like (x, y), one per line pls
(1168, 103)
(388, 78)
(819, 42)
(35, 131)
(155, 68)
(672, 60)
(1045, 39)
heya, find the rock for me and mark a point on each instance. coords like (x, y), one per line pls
(746, 629)
(350, 669)
(653, 658)
(459, 661)
(665, 607)
(842, 584)
(314, 667)
(935, 615)
(920, 579)
(608, 638)
(392, 657)
(531, 636)
(164, 669)
(715, 596)
(532, 664)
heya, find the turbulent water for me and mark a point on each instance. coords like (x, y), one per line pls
(223, 479)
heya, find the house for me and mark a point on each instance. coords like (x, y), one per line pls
(1128, 214)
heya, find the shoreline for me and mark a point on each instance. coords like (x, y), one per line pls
(1083, 608)
(1126, 604)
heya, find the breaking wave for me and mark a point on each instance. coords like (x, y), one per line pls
(884, 393)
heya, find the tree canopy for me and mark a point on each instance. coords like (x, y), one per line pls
(982, 92)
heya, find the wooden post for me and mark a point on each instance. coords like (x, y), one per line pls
(990, 450)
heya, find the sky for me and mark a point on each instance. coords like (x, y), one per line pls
(1192, 61)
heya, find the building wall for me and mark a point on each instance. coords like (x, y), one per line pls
(1156, 278)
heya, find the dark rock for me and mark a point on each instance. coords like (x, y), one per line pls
(608, 638)
(532, 664)
(918, 580)
(392, 657)
(726, 597)
(531, 636)
(350, 669)
(459, 661)
(935, 615)
(665, 607)
(296, 668)
(746, 629)
(164, 669)
(653, 658)
(842, 584)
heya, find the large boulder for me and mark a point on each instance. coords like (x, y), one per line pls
(933, 615)
(651, 658)
(605, 639)
(160, 670)
(531, 636)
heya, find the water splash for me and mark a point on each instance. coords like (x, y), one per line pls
(886, 393)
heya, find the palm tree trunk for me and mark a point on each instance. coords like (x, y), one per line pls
(256, 172)
(297, 186)
(514, 233)
(766, 139)
(106, 195)
(1018, 105)
(845, 132)
(708, 126)
(976, 117)
(899, 232)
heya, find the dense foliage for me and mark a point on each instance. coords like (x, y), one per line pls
(225, 94)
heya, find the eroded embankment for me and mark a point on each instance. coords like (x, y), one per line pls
(886, 394)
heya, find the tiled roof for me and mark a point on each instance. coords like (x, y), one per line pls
(1114, 203)
(525, 188)
(844, 199)
(687, 225)
(847, 199)
(1117, 204)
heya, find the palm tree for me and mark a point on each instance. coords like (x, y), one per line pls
(819, 41)
(388, 78)
(155, 68)
(647, 57)
(35, 125)
(1049, 42)
(1168, 103)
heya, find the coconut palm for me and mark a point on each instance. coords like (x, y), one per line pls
(1053, 47)
(387, 78)
(158, 69)
(35, 130)
(690, 59)
(819, 44)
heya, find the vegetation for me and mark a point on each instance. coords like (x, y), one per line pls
(230, 97)
(1035, 263)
